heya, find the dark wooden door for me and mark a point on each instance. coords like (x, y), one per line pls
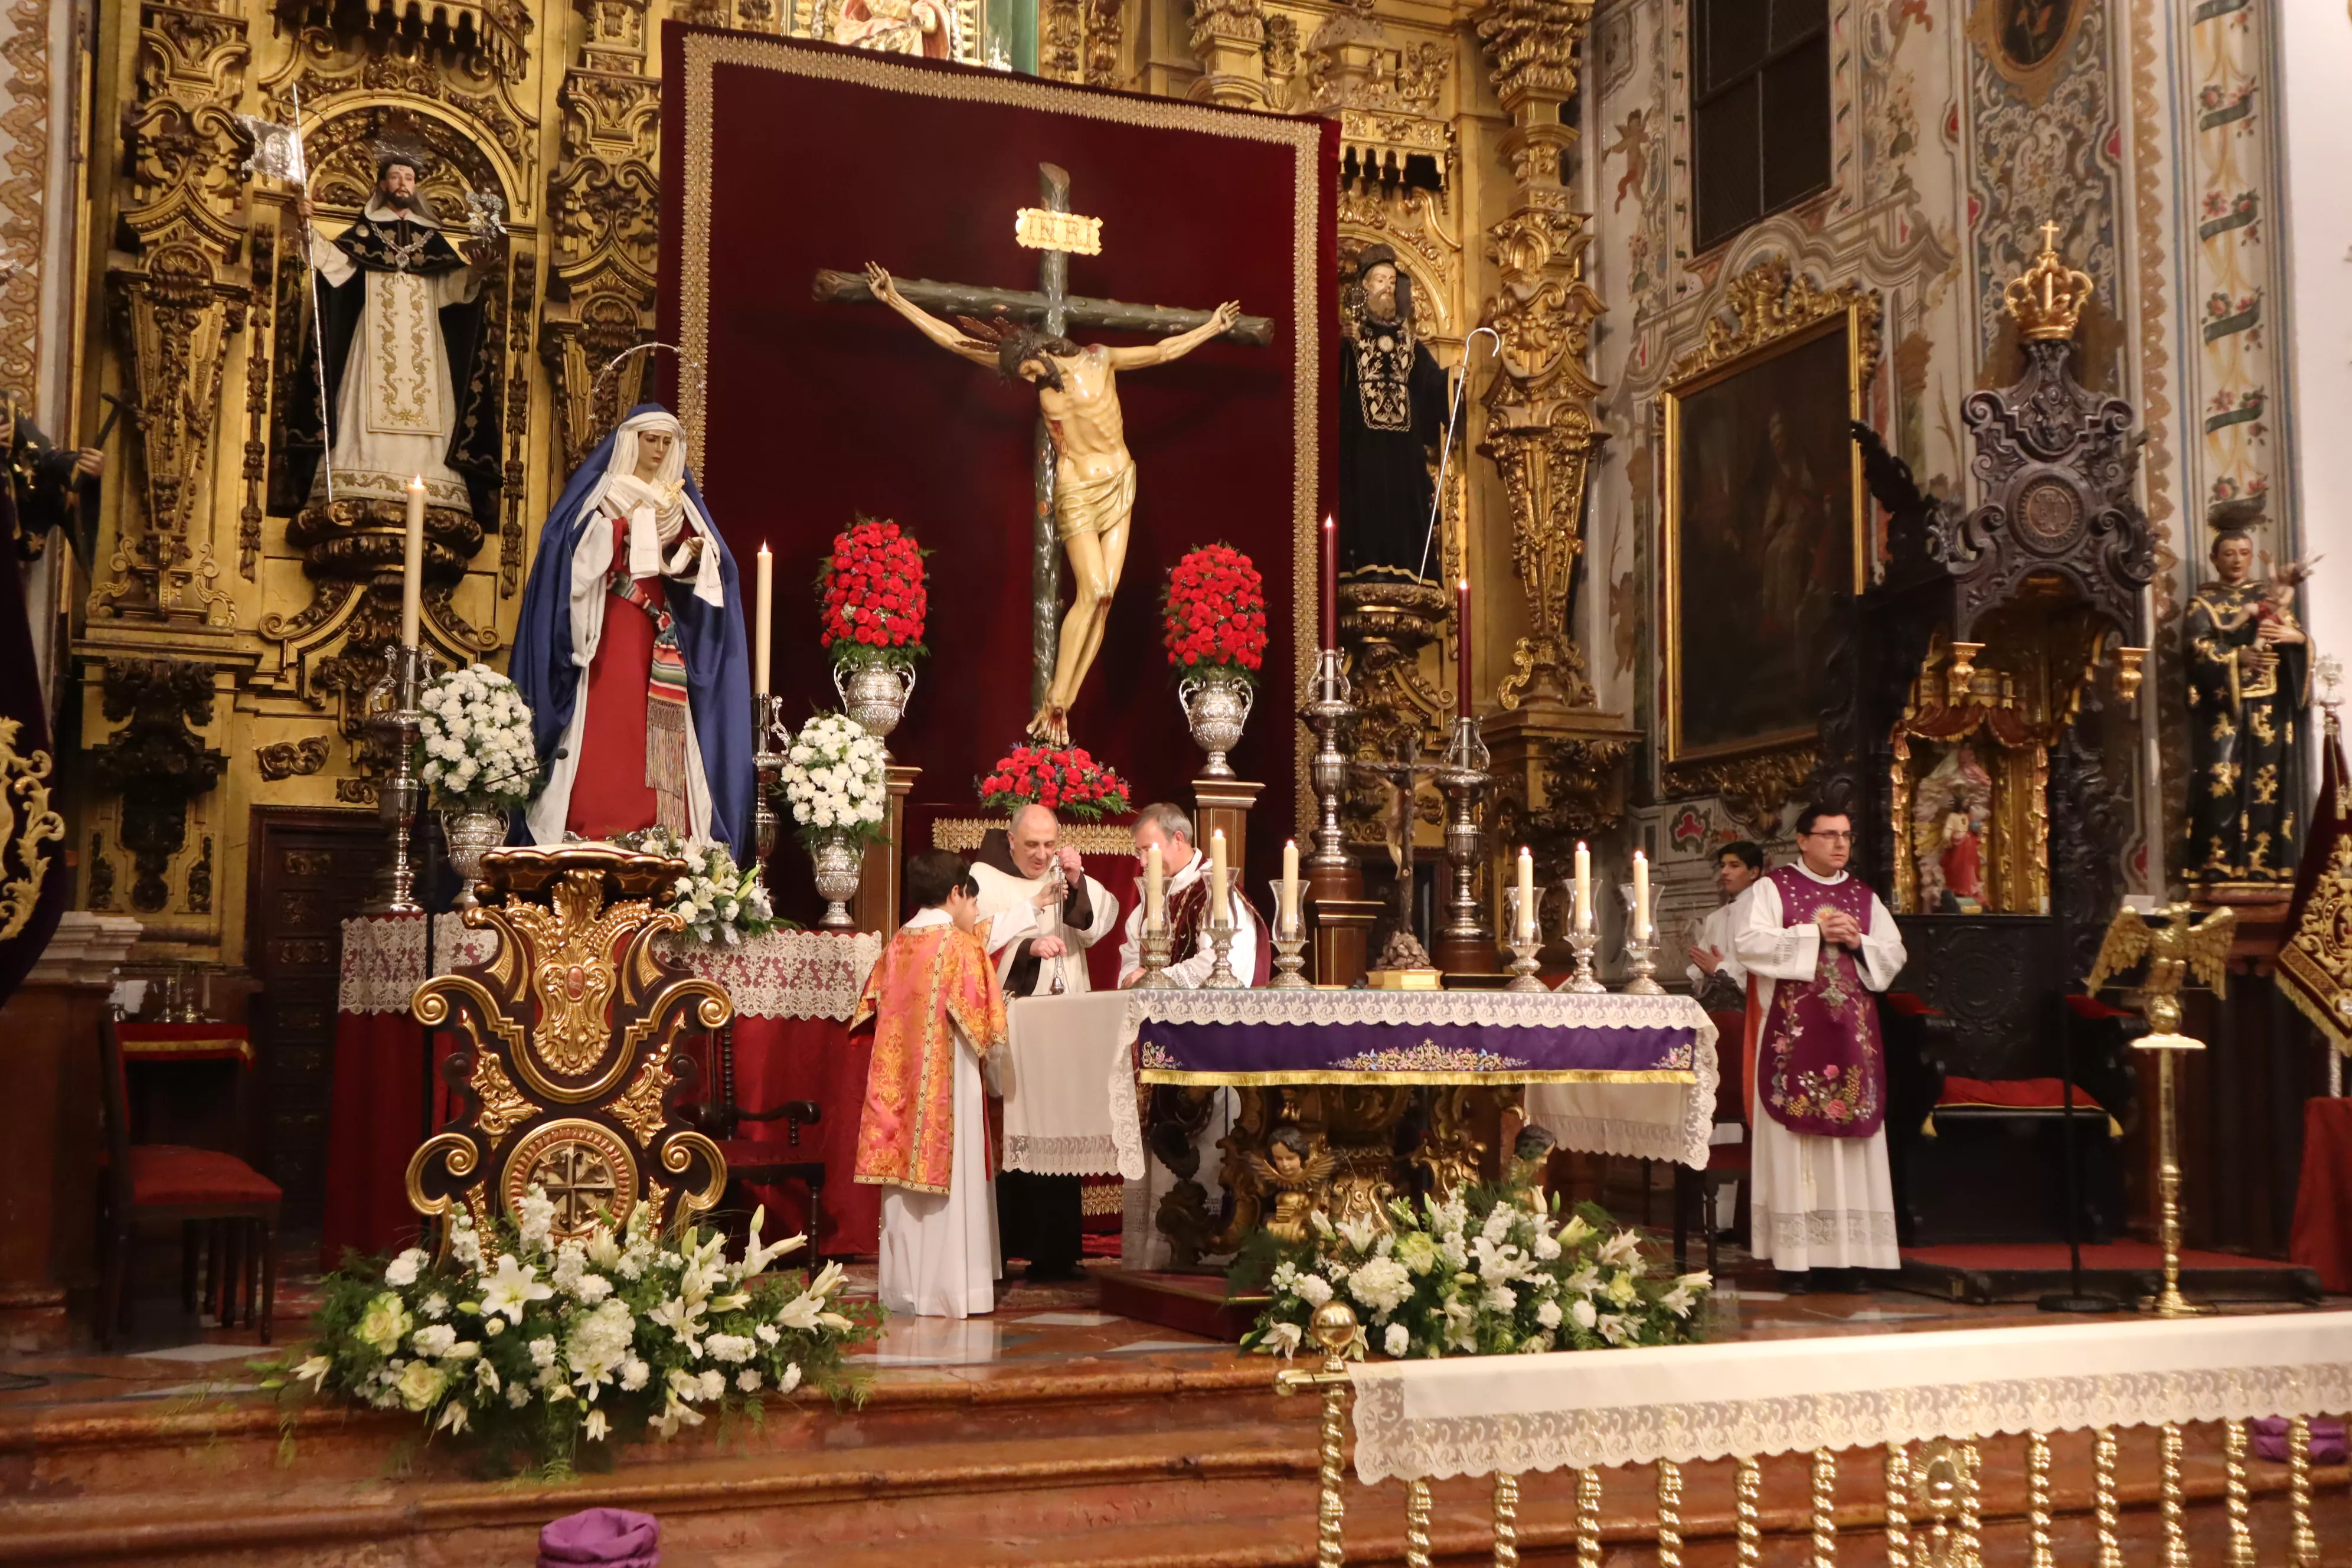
(310, 871)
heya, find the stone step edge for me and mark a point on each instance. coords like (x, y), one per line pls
(107, 1426)
(442, 1507)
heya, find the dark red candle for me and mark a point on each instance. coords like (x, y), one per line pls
(1462, 647)
(1330, 582)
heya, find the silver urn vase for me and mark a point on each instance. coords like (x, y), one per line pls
(470, 836)
(838, 864)
(1216, 704)
(875, 695)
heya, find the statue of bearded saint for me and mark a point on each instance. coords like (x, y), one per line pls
(1094, 477)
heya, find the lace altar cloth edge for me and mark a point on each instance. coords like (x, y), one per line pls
(1511, 1414)
(1578, 1115)
(783, 975)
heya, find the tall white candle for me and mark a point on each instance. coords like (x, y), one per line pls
(761, 630)
(1153, 893)
(1527, 895)
(412, 564)
(1641, 897)
(1220, 908)
(1289, 887)
(1583, 889)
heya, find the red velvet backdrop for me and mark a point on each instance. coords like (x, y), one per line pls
(815, 413)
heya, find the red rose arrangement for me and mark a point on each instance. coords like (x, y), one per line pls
(870, 596)
(1063, 779)
(1215, 613)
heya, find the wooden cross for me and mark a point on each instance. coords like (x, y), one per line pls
(1054, 310)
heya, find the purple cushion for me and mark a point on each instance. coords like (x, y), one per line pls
(2327, 1440)
(608, 1537)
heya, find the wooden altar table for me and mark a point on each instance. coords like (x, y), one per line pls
(794, 993)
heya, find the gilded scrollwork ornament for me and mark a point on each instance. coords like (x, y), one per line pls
(26, 824)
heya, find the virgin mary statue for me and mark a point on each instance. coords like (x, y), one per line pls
(630, 651)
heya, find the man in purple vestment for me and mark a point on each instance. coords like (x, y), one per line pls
(1817, 943)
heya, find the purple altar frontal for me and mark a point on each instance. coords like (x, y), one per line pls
(1246, 1038)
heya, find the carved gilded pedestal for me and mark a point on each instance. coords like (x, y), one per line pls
(565, 1069)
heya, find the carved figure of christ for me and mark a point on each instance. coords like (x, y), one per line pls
(1094, 476)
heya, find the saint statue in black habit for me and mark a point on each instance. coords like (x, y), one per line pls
(411, 385)
(2249, 681)
(1391, 417)
(48, 486)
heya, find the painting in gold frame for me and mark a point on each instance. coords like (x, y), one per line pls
(1765, 515)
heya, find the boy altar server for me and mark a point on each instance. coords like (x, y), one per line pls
(936, 1009)
(1817, 943)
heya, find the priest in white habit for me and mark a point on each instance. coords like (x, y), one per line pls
(1817, 943)
(411, 387)
(1191, 955)
(1042, 913)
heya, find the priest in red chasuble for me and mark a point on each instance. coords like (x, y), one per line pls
(630, 651)
(1817, 943)
(935, 1010)
(1191, 955)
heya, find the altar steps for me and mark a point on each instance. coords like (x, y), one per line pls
(1144, 1469)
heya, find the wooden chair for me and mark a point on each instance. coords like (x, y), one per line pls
(1695, 1189)
(758, 1163)
(236, 1204)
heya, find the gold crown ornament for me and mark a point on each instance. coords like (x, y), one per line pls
(2049, 300)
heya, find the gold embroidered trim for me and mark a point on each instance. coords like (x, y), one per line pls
(1503, 1076)
(26, 824)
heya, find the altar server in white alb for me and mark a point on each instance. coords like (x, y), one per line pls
(1043, 910)
(1817, 943)
(936, 1012)
(1717, 978)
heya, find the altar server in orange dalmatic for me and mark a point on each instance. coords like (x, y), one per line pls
(935, 1010)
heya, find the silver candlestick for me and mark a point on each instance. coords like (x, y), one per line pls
(1156, 946)
(1643, 957)
(1288, 962)
(1464, 778)
(769, 741)
(1327, 712)
(1584, 944)
(1524, 964)
(406, 670)
(1221, 972)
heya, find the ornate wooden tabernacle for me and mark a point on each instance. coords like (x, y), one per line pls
(566, 1071)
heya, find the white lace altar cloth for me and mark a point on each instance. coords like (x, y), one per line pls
(1637, 1116)
(783, 975)
(1068, 1082)
(1425, 1420)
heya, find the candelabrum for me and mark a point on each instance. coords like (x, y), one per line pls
(769, 740)
(1221, 972)
(1327, 712)
(1527, 941)
(1463, 777)
(1583, 944)
(1641, 953)
(1156, 946)
(1288, 959)
(396, 717)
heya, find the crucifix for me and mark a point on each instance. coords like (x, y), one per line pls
(1084, 477)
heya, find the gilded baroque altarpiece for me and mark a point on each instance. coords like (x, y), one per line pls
(226, 632)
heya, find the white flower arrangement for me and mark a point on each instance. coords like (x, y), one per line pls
(834, 780)
(1480, 1273)
(474, 742)
(550, 1345)
(721, 902)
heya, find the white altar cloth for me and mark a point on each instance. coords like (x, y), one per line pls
(1481, 1415)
